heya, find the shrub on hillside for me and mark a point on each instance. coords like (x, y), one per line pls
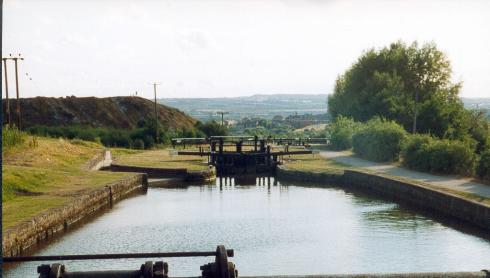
(483, 169)
(211, 128)
(138, 144)
(86, 135)
(341, 131)
(379, 140)
(12, 136)
(425, 153)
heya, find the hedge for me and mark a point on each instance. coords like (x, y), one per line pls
(379, 140)
(483, 170)
(425, 153)
(341, 132)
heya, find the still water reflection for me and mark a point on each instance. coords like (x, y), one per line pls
(274, 228)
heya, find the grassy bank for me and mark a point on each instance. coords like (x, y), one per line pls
(313, 163)
(41, 173)
(157, 159)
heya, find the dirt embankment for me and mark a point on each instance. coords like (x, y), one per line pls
(116, 112)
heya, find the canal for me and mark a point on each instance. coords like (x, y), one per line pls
(280, 228)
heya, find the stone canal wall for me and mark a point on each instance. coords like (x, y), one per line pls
(43, 226)
(150, 171)
(103, 159)
(401, 190)
(421, 196)
(203, 175)
(183, 173)
(305, 176)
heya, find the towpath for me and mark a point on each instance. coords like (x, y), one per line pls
(451, 182)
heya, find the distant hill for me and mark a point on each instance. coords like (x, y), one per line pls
(267, 106)
(479, 103)
(264, 106)
(116, 112)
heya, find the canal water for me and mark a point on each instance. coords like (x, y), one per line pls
(274, 228)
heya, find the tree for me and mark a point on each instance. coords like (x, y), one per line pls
(398, 81)
(212, 128)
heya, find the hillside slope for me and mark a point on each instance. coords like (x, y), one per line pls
(117, 112)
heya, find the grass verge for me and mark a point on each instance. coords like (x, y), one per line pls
(43, 173)
(313, 163)
(158, 159)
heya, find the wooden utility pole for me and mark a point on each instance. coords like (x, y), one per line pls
(16, 88)
(19, 126)
(6, 91)
(156, 113)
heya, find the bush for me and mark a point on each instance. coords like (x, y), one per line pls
(149, 142)
(341, 131)
(86, 135)
(379, 140)
(425, 153)
(138, 144)
(112, 137)
(483, 170)
(12, 136)
(413, 152)
(211, 128)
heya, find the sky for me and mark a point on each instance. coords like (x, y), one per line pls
(196, 48)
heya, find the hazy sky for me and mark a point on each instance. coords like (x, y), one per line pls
(229, 48)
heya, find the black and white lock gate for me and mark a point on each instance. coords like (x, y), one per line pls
(220, 268)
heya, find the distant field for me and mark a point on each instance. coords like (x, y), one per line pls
(267, 106)
(312, 127)
(263, 106)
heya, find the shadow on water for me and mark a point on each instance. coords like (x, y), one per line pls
(396, 215)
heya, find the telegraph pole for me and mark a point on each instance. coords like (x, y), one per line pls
(16, 87)
(6, 92)
(156, 113)
(17, 93)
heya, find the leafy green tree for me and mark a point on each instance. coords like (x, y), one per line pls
(398, 81)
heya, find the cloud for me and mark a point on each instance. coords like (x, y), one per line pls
(192, 40)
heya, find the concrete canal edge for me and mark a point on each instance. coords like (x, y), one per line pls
(404, 191)
(182, 173)
(43, 226)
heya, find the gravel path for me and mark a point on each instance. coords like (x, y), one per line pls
(452, 182)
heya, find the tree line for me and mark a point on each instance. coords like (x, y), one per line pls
(146, 135)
